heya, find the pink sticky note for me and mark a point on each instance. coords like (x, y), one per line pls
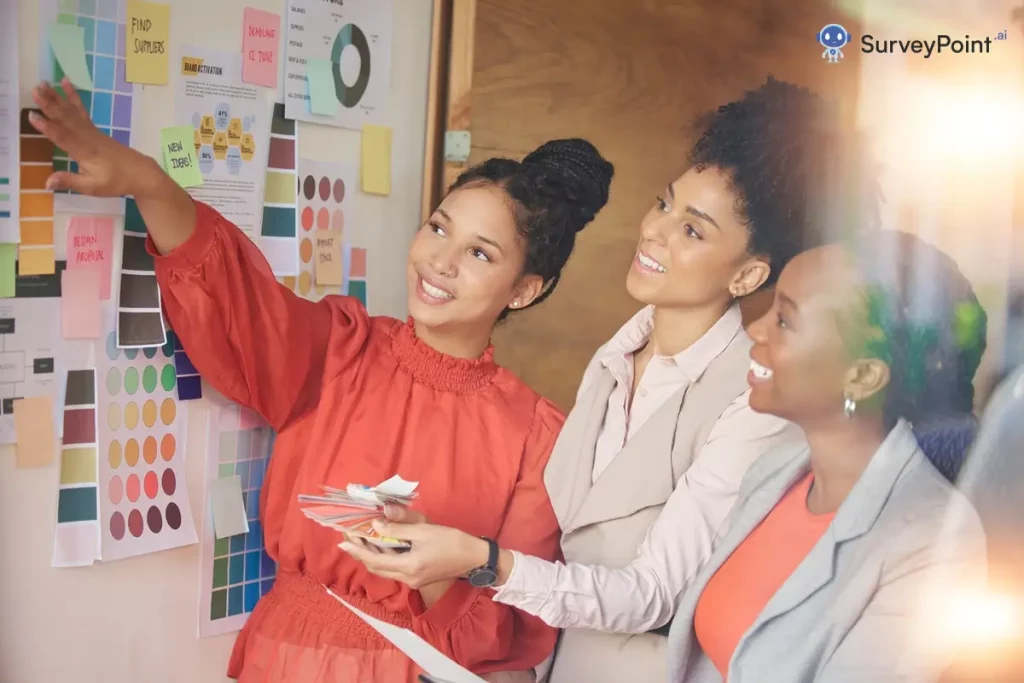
(91, 247)
(80, 303)
(261, 45)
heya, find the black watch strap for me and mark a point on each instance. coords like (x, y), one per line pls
(487, 575)
(492, 554)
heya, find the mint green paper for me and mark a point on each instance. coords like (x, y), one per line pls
(67, 42)
(8, 257)
(320, 76)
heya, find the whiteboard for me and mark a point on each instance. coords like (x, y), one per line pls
(135, 619)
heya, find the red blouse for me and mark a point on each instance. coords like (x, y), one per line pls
(356, 398)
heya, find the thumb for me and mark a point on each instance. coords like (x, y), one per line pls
(403, 515)
(63, 180)
(405, 532)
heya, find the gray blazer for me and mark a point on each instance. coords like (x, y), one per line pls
(852, 610)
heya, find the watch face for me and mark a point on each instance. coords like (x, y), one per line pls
(483, 577)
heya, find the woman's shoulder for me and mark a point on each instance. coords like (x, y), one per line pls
(520, 399)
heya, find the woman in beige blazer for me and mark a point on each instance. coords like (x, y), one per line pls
(662, 417)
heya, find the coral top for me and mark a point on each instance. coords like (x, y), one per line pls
(356, 398)
(743, 585)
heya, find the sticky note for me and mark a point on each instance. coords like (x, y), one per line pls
(91, 246)
(228, 507)
(327, 257)
(33, 427)
(180, 155)
(320, 77)
(67, 41)
(80, 303)
(146, 39)
(376, 159)
(261, 40)
(8, 257)
(35, 260)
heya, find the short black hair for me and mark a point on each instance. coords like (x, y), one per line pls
(925, 322)
(803, 178)
(554, 192)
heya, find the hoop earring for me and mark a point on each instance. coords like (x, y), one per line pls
(849, 407)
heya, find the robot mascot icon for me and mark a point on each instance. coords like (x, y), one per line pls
(833, 37)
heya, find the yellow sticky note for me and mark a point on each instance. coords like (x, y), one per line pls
(33, 427)
(146, 40)
(376, 159)
(35, 260)
(327, 255)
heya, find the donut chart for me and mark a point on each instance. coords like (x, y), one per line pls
(350, 34)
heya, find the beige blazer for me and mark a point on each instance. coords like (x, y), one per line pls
(604, 522)
(855, 608)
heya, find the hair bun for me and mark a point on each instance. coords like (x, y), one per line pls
(574, 169)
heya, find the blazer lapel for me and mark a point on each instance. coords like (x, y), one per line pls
(638, 477)
(569, 471)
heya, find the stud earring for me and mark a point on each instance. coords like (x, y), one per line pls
(515, 304)
(849, 406)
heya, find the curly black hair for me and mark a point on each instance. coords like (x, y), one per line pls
(925, 322)
(803, 179)
(555, 191)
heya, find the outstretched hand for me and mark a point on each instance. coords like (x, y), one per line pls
(106, 168)
(438, 553)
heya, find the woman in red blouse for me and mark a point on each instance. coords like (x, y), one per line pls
(356, 398)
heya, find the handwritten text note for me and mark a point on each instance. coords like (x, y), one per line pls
(327, 253)
(146, 42)
(91, 246)
(180, 155)
(260, 47)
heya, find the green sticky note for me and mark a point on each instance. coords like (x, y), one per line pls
(320, 76)
(179, 153)
(8, 257)
(67, 42)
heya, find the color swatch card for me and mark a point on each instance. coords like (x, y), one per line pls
(235, 571)
(140, 319)
(261, 47)
(349, 48)
(31, 349)
(280, 217)
(35, 248)
(76, 539)
(143, 498)
(190, 385)
(110, 101)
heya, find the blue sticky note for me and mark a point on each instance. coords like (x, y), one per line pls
(67, 41)
(320, 77)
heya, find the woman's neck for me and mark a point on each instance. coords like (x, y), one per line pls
(841, 449)
(676, 329)
(458, 342)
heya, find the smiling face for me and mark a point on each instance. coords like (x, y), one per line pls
(801, 366)
(465, 263)
(693, 247)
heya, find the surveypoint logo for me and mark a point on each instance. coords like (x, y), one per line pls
(834, 38)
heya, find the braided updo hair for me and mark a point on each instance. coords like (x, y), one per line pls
(554, 192)
(924, 322)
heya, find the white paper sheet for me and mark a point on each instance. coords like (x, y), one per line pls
(356, 37)
(417, 649)
(232, 124)
(32, 353)
(9, 113)
(228, 507)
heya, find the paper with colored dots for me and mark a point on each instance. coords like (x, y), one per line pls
(143, 499)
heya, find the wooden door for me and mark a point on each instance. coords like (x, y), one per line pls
(631, 76)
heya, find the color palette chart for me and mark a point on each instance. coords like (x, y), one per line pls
(111, 102)
(140, 320)
(143, 498)
(76, 539)
(35, 250)
(278, 236)
(235, 572)
(354, 265)
(190, 386)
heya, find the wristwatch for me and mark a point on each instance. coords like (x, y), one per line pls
(487, 575)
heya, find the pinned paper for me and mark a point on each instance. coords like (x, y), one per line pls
(67, 41)
(80, 303)
(91, 247)
(180, 155)
(146, 41)
(327, 257)
(376, 159)
(261, 46)
(228, 507)
(8, 258)
(322, 97)
(33, 426)
(35, 260)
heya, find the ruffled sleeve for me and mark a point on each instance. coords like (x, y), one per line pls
(250, 337)
(465, 623)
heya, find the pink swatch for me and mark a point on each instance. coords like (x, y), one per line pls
(80, 303)
(91, 247)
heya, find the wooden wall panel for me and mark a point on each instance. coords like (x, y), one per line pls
(631, 76)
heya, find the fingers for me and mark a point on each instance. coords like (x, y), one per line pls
(388, 566)
(72, 97)
(48, 101)
(404, 531)
(63, 180)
